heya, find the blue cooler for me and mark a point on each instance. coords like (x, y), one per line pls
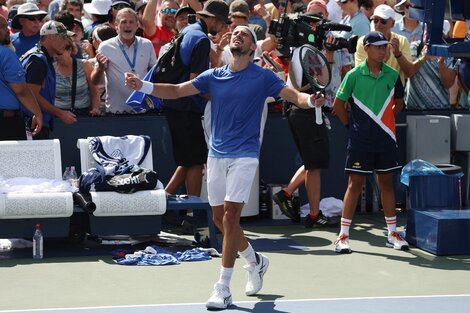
(432, 193)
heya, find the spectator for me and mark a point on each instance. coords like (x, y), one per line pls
(181, 18)
(40, 74)
(160, 35)
(3, 9)
(375, 93)
(398, 54)
(258, 14)
(43, 5)
(15, 93)
(139, 9)
(100, 33)
(75, 26)
(184, 114)
(83, 100)
(124, 53)
(311, 139)
(75, 7)
(240, 11)
(334, 11)
(117, 5)
(99, 13)
(353, 16)
(237, 105)
(408, 27)
(28, 21)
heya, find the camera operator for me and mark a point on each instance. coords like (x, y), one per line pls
(312, 139)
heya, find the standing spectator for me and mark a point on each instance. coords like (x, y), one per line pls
(100, 34)
(161, 34)
(99, 13)
(85, 100)
(117, 5)
(353, 17)
(311, 139)
(43, 5)
(375, 93)
(123, 53)
(3, 9)
(410, 28)
(139, 9)
(40, 73)
(238, 93)
(184, 114)
(29, 21)
(15, 93)
(398, 54)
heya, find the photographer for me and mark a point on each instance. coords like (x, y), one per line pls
(312, 139)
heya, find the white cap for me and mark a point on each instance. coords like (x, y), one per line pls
(386, 12)
(98, 7)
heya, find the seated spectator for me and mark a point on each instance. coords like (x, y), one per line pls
(161, 34)
(82, 100)
(28, 21)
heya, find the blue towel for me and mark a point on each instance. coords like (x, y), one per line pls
(154, 255)
(142, 102)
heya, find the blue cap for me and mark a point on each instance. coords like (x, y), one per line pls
(375, 39)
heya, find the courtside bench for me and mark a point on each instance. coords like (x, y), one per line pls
(20, 211)
(138, 213)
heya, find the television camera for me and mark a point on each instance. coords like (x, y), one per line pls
(294, 30)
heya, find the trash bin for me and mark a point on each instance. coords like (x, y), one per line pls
(429, 192)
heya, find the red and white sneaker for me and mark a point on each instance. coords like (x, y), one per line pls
(396, 242)
(342, 244)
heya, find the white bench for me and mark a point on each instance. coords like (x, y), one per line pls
(19, 212)
(116, 213)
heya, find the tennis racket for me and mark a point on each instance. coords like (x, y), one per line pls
(316, 69)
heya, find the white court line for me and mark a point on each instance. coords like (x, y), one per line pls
(105, 308)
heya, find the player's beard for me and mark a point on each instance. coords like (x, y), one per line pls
(239, 51)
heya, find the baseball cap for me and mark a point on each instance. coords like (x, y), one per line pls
(386, 12)
(141, 4)
(252, 32)
(239, 8)
(218, 9)
(183, 10)
(26, 9)
(375, 39)
(125, 2)
(54, 28)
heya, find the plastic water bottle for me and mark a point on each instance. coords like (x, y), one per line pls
(66, 174)
(73, 177)
(37, 243)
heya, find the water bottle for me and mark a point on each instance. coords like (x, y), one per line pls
(66, 174)
(73, 177)
(37, 243)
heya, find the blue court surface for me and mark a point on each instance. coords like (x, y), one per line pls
(416, 304)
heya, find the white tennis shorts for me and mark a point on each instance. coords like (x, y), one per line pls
(230, 179)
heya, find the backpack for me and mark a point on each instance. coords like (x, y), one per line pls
(170, 68)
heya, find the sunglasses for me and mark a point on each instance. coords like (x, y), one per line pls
(168, 11)
(33, 18)
(381, 20)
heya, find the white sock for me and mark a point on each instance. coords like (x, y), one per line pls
(391, 223)
(345, 225)
(225, 275)
(249, 254)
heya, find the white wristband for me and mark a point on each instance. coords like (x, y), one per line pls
(309, 103)
(147, 87)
